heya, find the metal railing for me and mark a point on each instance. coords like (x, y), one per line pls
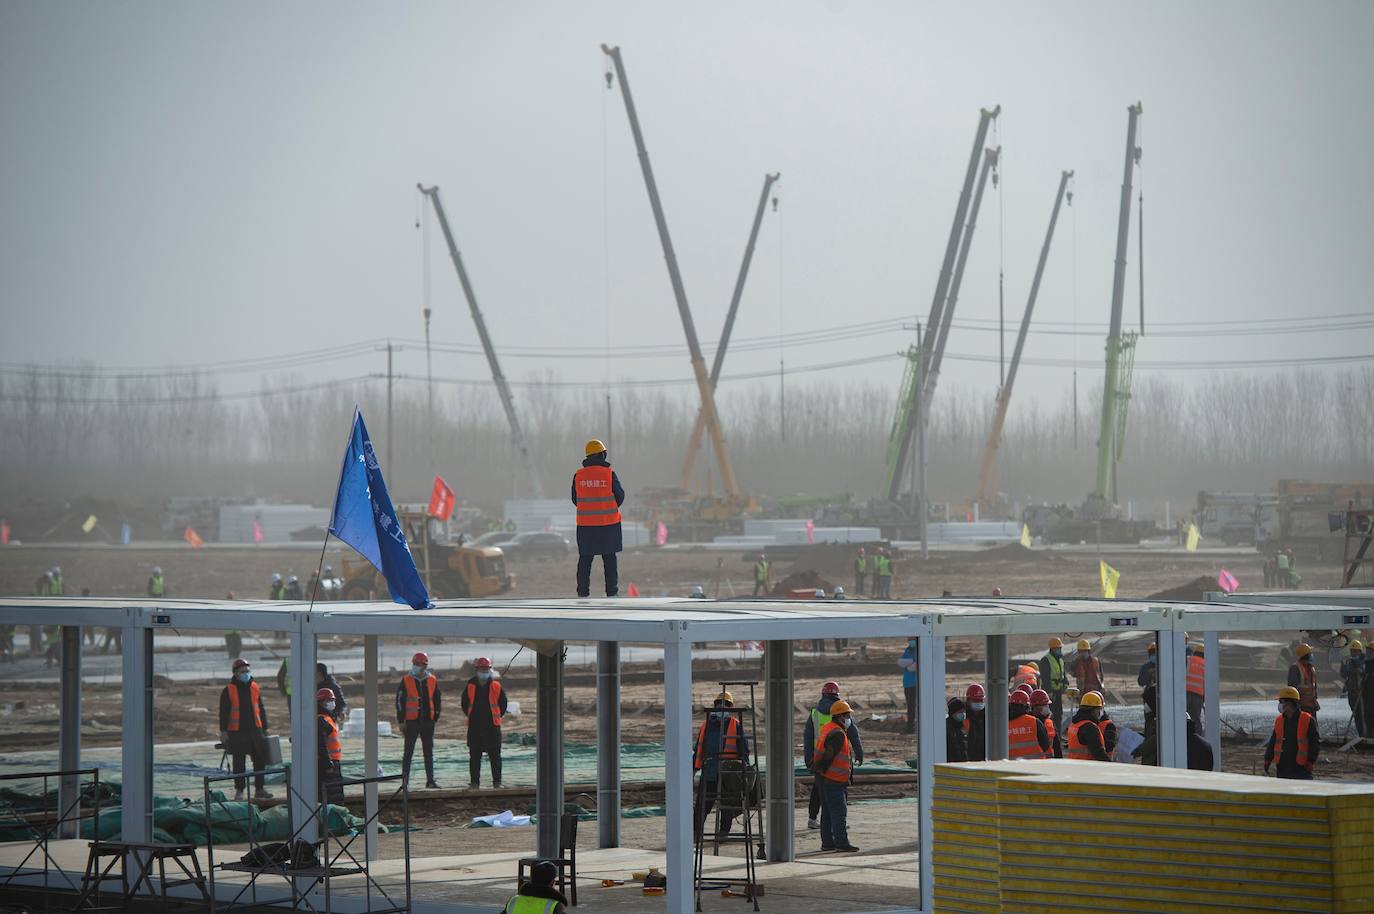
(46, 823)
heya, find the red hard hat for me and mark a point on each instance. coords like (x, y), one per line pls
(1039, 697)
(1020, 696)
(996, 591)
(238, 662)
(975, 692)
(324, 695)
(421, 658)
(830, 688)
(483, 663)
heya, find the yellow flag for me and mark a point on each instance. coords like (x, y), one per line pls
(1025, 536)
(1109, 578)
(88, 525)
(1193, 537)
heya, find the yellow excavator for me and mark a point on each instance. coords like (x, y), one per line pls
(449, 571)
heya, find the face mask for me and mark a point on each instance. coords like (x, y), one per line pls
(417, 671)
(847, 722)
(244, 677)
(483, 675)
(959, 715)
(329, 706)
(978, 705)
(911, 642)
(1056, 652)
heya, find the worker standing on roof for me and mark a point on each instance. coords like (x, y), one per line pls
(538, 895)
(418, 704)
(860, 572)
(815, 722)
(1027, 736)
(1353, 673)
(882, 575)
(1294, 744)
(976, 723)
(721, 737)
(1302, 675)
(908, 664)
(597, 493)
(330, 749)
(956, 740)
(1085, 733)
(484, 701)
(1054, 679)
(1042, 708)
(243, 727)
(1086, 668)
(833, 765)
(762, 574)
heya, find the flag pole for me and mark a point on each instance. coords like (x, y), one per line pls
(318, 568)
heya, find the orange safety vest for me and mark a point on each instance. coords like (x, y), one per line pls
(1076, 749)
(493, 699)
(255, 695)
(1021, 738)
(729, 746)
(1049, 729)
(331, 739)
(412, 704)
(842, 764)
(1307, 692)
(1197, 675)
(1303, 757)
(596, 505)
(1027, 675)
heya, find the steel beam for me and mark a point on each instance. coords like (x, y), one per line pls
(677, 766)
(69, 738)
(371, 720)
(778, 681)
(1171, 703)
(995, 674)
(930, 751)
(548, 785)
(608, 743)
(1211, 712)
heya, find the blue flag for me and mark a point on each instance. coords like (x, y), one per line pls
(364, 519)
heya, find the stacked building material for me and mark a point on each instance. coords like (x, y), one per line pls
(1086, 836)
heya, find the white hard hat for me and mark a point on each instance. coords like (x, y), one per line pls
(57, 569)
(698, 590)
(275, 577)
(839, 590)
(157, 569)
(820, 593)
(293, 580)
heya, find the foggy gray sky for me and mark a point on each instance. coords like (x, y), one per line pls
(190, 182)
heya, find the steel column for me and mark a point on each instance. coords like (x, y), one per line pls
(305, 773)
(677, 766)
(996, 686)
(371, 720)
(69, 720)
(136, 757)
(930, 750)
(548, 785)
(608, 743)
(777, 674)
(1211, 701)
(1171, 704)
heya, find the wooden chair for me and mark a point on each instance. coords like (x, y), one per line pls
(566, 861)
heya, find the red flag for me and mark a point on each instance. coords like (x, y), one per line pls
(257, 532)
(193, 538)
(661, 535)
(4, 533)
(441, 499)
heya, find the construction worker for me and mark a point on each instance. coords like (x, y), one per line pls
(538, 895)
(1354, 669)
(762, 573)
(1148, 750)
(41, 588)
(721, 737)
(882, 575)
(956, 740)
(418, 704)
(1294, 580)
(698, 592)
(1027, 675)
(1200, 756)
(1196, 680)
(1086, 668)
(839, 595)
(293, 589)
(975, 723)
(908, 664)
(484, 701)
(1367, 691)
(1054, 679)
(59, 588)
(815, 722)
(277, 589)
(1302, 675)
(284, 683)
(1042, 707)
(833, 764)
(7, 643)
(157, 585)
(1085, 740)
(860, 572)
(597, 493)
(330, 750)
(1107, 726)
(1294, 744)
(1149, 670)
(243, 727)
(323, 680)
(1026, 733)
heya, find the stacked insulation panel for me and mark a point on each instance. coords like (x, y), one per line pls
(1089, 836)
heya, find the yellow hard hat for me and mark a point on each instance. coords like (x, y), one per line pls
(1357, 645)
(1304, 649)
(725, 696)
(1091, 700)
(1083, 645)
(840, 707)
(1197, 646)
(595, 446)
(1289, 693)
(1055, 642)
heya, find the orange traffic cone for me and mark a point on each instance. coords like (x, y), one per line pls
(632, 591)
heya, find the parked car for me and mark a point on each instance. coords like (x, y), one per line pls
(537, 546)
(494, 538)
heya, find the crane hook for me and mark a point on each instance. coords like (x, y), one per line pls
(608, 78)
(775, 204)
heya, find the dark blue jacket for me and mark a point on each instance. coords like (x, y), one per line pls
(809, 733)
(714, 739)
(600, 540)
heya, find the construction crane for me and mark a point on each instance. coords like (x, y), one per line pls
(705, 388)
(522, 444)
(983, 497)
(919, 360)
(700, 427)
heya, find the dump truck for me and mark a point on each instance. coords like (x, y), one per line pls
(450, 570)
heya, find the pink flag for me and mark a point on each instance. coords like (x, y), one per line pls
(810, 532)
(257, 532)
(1227, 581)
(661, 535)
(4, 533)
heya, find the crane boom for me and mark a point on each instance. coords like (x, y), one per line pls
(983, 496)
(502, 388)
(704, 386)
(901, 425)
(700, 427)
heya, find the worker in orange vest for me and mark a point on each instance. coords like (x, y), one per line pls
(597, 493)
(1026, 733)
(418, 705)
(330, 749)
(243, 727)
(484, 702)
(1085, 733)
(1294, 744)
(1196, 681)
(1043, 708)
(721, 737)
(1302, 675)
(833, 762)
(1086, 668)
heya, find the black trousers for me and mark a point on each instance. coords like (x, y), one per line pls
(858, 592)
(422, 730)
(1357, 711)
(910, 708)
(609, 564)
(493, 753)
(1195, 706)
(247, 745)
(331, 782)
